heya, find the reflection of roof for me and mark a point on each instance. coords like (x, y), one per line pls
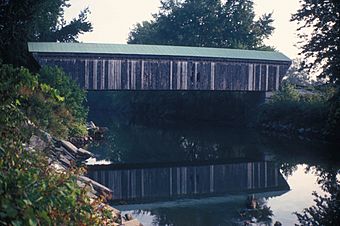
(155, 50)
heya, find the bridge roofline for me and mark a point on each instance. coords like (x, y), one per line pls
(156, 51)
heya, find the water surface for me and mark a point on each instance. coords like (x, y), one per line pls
(178, 174)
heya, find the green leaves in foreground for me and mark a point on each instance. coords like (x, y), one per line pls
(33, 193)
(50, 100)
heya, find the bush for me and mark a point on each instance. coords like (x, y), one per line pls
(55, 107)
(32, 191)
(301, 110)
(74, 96)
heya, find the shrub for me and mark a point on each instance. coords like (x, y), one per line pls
(288, 106)
(32, 191)
(55, 107)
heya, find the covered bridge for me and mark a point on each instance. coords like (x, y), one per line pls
(152, 67)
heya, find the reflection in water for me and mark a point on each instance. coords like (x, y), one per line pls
(174, 162)
(326, 210)
(139, 144)
(181, 181)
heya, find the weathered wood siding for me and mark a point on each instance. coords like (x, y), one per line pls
(145, 73)
(178, 181)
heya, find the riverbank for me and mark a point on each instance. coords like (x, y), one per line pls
(66, 154)
(306, 114)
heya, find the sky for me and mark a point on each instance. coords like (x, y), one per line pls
(112, 20)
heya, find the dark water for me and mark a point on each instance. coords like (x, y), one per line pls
(203, 175)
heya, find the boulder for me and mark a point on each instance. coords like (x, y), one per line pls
(99, 188)
(84, 154)
(69, 147)
(37, 143)
(90, 125)
(133, 222)
(128, 217)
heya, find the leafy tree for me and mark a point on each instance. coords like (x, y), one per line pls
(43, 104)
(74, 96)
(205, 23)
(296, 76)
(322, 48)
(22, 21)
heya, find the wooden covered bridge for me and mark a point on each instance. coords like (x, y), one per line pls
(151, 67)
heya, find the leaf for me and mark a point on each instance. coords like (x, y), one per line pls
(17, 223)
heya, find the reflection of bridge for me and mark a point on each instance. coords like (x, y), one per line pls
(155, 182)
(143, 67)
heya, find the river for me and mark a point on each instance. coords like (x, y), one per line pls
(183, 174)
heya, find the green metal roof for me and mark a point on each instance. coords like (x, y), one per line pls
(154, 50)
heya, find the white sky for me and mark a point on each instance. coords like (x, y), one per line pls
(113, 19)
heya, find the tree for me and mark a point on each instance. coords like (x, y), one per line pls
(322, 49)
(296, 76)
(22, 21)
(322, 46)
(205, 23)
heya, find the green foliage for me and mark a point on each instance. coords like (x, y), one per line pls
(205, 23)
(321, 48)
(34, 193)
(31, 20)
(333, 121)
(288, 93)
(43, 104)
(296, 108)
(74, 96)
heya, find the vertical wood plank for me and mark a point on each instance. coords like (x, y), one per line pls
(87, 73)
(133, 75)
(128, 74)
(211, 179)
(142, 76)
(212, 76)
(254, 77)
(170, 77)
(277, 80)
(185, 75)
(267, 76)
(250, 77)
(119, 75)
(178, 75)
(109, 75)
(260, 77)
(95, 68)
(170, 181)
(102, 81)
(195, 75)
(265, 175)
